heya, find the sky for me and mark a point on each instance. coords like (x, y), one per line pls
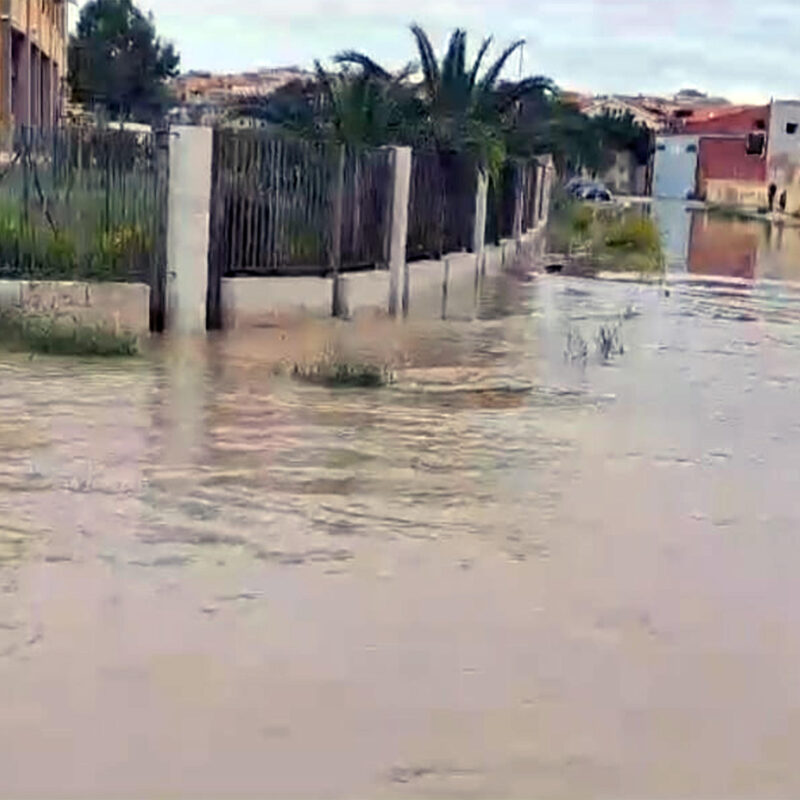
(745, 50)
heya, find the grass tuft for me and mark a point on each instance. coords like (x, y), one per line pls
(333, 372)
(41, 334)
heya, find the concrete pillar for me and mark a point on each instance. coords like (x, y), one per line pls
(479, 231)
(548, 176)
(518, 200)
(189, 210)
(398, 229)
(6, 58)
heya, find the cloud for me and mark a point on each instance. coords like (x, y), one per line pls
(723, 46)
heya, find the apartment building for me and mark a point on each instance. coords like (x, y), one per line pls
(33, 55)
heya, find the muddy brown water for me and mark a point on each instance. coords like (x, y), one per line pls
(215, 581)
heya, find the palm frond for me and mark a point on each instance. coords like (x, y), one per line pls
(473, 75)
(493, 73)
(430, 67)
(537, 86)
(370, 67)
(453, 63)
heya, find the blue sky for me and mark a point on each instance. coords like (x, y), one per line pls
(740, 48)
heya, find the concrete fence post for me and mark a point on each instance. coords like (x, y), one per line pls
(518, 203)
(188, 228)
(338, 306)
(479, 230)
(548, 176)
(398, 227)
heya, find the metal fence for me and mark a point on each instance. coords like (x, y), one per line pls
(284, 206)
(80, 203)
(515, 197)
(441, 208)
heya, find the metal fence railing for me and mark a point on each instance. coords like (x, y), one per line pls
(284, 206)
(441, 210)
(79, 203)
(515, 197)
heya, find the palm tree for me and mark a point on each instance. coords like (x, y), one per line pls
(462, 108)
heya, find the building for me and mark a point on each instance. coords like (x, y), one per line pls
(732, 163)
(203, 97)
(719, 154)
(732, 171)
(783, 154)
(675, 166)
(33, 54)
(614, 105)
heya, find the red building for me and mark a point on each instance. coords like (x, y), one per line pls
(732, 165)
(727, 120)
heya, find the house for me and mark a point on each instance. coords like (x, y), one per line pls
(783, 154)
(732, 166)
(615, 105)
(33, 48)
(204, 98)
(719, 154)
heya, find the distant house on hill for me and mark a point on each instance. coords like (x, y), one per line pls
(204, 97)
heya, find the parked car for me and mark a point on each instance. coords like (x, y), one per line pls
(586, 189)
(596, 192)
(574, 186)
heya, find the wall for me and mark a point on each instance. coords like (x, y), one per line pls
(47, 24)
(118, 306)
(783, 153)
(727, 174)
(675, 167)
(620, 177)
(736, 193)
(447, 285)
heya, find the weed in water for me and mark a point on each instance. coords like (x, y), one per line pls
(609, 342)
(335, 373)
(577, 348)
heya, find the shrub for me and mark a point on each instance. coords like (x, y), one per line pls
(633, 233)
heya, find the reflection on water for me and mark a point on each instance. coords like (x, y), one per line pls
(512, 574)
(704, 243)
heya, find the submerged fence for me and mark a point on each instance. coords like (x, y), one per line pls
(81, 203)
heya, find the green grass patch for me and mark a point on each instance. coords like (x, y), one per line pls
(40, 334)
(333, 372)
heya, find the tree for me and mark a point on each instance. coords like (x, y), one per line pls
(117, 62)
(357, 106)
(463, 108)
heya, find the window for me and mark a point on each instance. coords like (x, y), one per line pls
(691, 148)
(791, 127)
(755, 144)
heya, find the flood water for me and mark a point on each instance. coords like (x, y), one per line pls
(215, 581)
